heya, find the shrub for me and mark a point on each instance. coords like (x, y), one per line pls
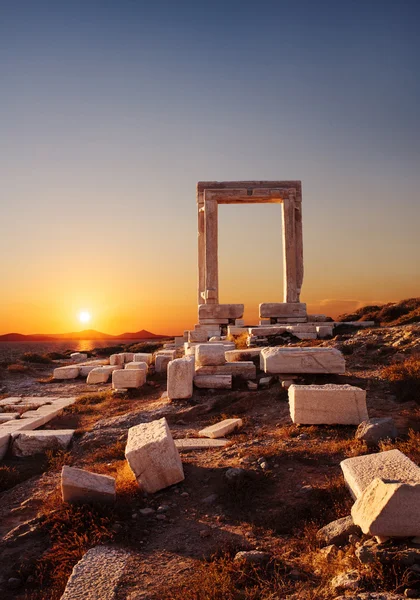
(9, 477)
(33, 357)
(405, 379)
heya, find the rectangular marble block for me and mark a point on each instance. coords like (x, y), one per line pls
(137, 365)
(213, 382)
(153, 457)
(327, 404)
(83, 487)
(236, 331)
(219, 430)
(216, 322)
(324, 331)
(282, 309)
(117, 359)
(128, 378)
(199, 336)
(69, 372)
(244, 369)
(268, 330)
(210, 354)
(242, 355)
(101, 374)
(161, 363)
(146, 357)
(220, 311)
(180, 378)
(392, 465)
(199, 444)
(302, 360)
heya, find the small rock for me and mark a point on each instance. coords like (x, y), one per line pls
(161, 517)
(163, 508)
(373, 431)
(209, 499)
(411, 593)
(303, 436)
(146, 512)
(346, 581)
(13, 583)
(338, 532)
(204, 533)
(252, 557)
(235, 474)
(184, 495)
(134, 516)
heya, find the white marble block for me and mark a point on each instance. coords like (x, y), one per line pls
(210, 354)
(199, 336)
(327, 404)
(101, 374)
(282, 309)
(392, 465)
(242, 355)
(137, 365)
(180, 378)
(213, 382)
(161, 363)
(388, 509)
(324, 331)
(302, 360)
(69, 372)
(117, 359)
(220, 311)
(29, 443)
(80, 486)
(244, 369)
(143, 357)
(78, 356)
(128, 378)
(219, 430)
(153, 457)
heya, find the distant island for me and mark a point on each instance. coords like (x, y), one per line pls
(88, 334)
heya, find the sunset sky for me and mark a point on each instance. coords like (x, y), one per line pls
(112, 110)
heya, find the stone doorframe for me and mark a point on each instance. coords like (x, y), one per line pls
(212, 193)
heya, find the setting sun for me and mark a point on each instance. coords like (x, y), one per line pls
(84, 316)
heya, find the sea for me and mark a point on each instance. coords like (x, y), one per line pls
(13, 350)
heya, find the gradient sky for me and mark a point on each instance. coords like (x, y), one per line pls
(112, 110)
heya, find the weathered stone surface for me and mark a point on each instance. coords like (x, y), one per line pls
(213, 382)
(373, 431)
(338, 532)
(69, 372)
(180, 378)
(137, 365)
(152, 456)
(267, 330)
(199, 336)
(235, 331)
(78, 356)
(244, 369)
(117, 359)
(210, 354)
(11, 400)
(29, 443)
(128, 357)
(143, 357)
(161, 362)
(302, 360)
(80, 486)
(219, 430)
(199, 444)
(220, 311)
(327, 404)
(239, 323)
(128, 378)
(4, 443)
(282, 309)
(346, 581)
(324, 331)
(392, 465)
(4, 417)
(253, 557)
(97, 575)
(101, 374)
(242, 355)
(388, 509)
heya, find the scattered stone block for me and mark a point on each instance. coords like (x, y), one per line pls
(302, 360)
(161, 363)
(267, 330)
(215, 338)
(220, 311)
(375, 430)
(68, 372)
(128, 357)
(80, 486)
(282, 309)
(252, 385)
(128, 378)
(327, 404)
(84, 370)
(253, 557)
(78, 356)
(153, 457)
(10, 401)
(117, 359)
(178, 341)
(388, 509)
(213, 382)
(210, 354)
(243, 369)
(29, 443)
(97, 575)
(219, 430)
(199, 336)
(265, 382)
(392, 465)
(324, 331)
(180, 378)
(101, 374)
(4, 417)
(137, 365)
(4, 443)
(242, 355)
(199, 444)
(317, 318)
(146, 357)
(338, 532)
(236, 331)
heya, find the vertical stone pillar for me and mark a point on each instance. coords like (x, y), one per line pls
(290, 292)
(299, 244)
(201, 255)
(211, 252)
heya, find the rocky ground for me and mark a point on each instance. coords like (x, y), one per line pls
(270, 490)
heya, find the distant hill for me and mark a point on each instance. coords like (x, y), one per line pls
(88, 334)
(393, 313)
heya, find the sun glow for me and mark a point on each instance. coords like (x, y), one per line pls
(84, 316)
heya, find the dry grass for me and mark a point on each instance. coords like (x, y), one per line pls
(33, 357)
(17, 368)
(405, 378)
(409, 446)
(56, 459)
(240, 341)
(9, 477)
